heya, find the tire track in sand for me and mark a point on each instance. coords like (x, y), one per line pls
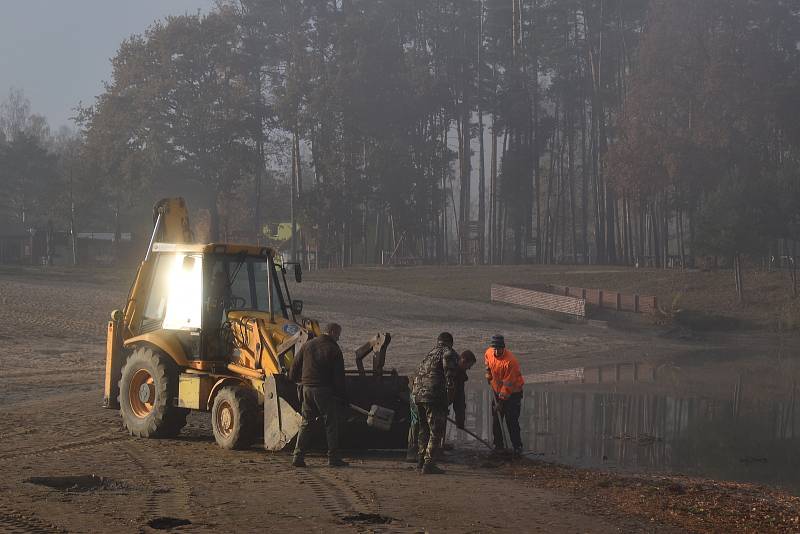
(64, 447)
(348, 505)
(14, 522)
(161, 502)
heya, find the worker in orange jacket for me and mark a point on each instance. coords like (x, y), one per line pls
(505, 378)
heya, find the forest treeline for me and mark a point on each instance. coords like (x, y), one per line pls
(494, 131)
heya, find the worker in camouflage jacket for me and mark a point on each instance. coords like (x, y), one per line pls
(433, 390)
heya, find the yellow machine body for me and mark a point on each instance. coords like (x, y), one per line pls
(261, 343)
(219, 315)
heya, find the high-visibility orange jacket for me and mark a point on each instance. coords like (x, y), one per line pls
(506, 377)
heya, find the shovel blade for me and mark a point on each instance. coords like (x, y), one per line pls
(380, 417)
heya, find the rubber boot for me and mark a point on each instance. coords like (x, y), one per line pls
(298, 461)
(430, 468)
(335, 461)
(498, 451)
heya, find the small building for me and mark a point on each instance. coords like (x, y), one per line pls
(16, 242)
(98, 247)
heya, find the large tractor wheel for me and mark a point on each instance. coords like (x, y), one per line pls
(234, 418)
(147, 392)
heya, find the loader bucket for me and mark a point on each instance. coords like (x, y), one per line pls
(282, 413)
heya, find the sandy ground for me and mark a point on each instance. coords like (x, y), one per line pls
(52, 425)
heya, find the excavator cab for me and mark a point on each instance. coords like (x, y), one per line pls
(213, 327)
(194, 291)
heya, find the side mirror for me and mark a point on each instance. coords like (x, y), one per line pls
(298, 273)
(297, 307)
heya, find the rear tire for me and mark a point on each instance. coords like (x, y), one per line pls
(147, 392)
(234, 418)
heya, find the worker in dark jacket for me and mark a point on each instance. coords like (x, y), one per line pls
(319, 368)
(433, 391)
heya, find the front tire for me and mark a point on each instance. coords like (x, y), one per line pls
(147, 392)
(234, 418)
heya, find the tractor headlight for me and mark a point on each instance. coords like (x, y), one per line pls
(185, 292)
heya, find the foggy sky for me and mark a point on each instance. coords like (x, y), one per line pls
(58, 51)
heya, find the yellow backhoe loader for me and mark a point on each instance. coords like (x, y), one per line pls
(213, 327)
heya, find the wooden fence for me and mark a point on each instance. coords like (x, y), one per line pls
(572, 300)
(539, 300)
(611, 300)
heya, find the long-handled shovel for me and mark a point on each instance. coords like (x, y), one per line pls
(472, 434)
(503, 426)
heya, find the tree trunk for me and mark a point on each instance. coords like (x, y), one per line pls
(445, 172)
(549, 234)
(294, 190)
(364, 253)
(481, 191)
(571, 177)
(213, 216)
(656, 247)
(482, 161)
(536, 149)
(257, 196)
(49, 243)
(737, 274)
(376, 251)
(117, 232)
(681, 250)
(794, 269)
(72, 234)
(493, 195)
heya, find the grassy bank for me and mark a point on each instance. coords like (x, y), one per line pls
(701, 299)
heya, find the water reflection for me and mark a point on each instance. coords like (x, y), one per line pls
(716, 421)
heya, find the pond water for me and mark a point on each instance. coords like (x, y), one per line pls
(729, 420)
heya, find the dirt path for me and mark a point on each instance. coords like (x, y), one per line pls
(52, 426)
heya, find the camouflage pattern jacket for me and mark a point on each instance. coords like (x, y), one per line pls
(434, 382)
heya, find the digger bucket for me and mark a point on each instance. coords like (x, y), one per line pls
(281, 412)
(385, 427)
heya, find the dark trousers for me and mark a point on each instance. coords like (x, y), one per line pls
(319, 402)
(512, 409)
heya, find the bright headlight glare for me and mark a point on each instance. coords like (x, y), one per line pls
(185, 293)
